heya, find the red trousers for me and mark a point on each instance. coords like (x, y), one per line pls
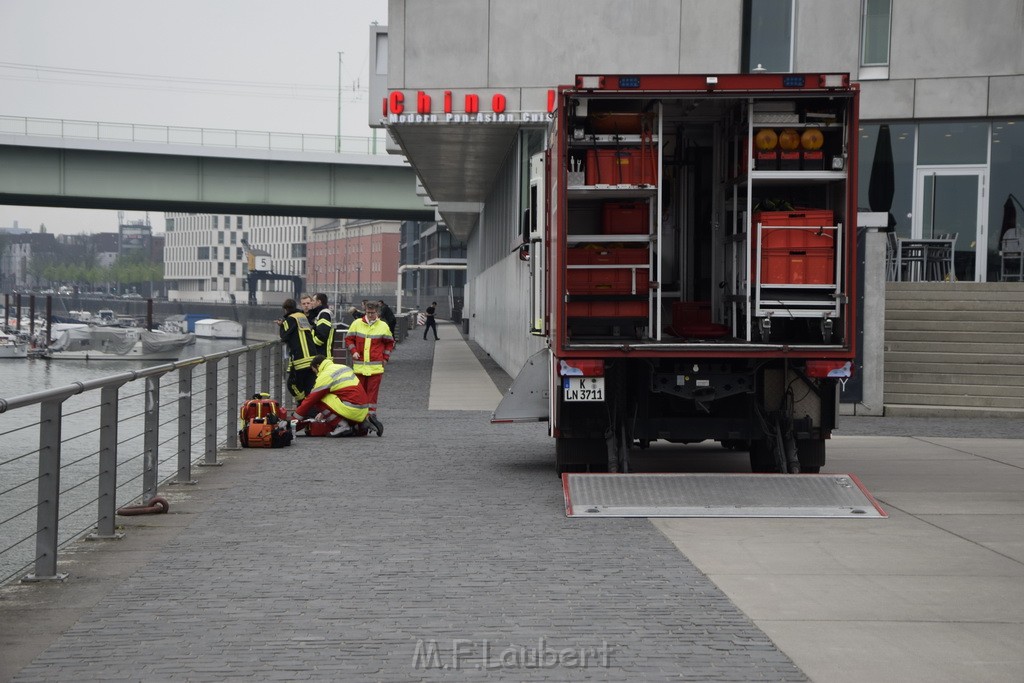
(371, 384)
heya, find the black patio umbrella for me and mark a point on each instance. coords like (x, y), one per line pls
(882, 183)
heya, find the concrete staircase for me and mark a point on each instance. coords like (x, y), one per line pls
(954, 349)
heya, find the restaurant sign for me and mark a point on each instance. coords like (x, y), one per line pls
(474, 109)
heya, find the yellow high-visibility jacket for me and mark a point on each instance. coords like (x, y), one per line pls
(373, 343)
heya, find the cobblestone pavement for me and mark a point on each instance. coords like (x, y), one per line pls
(438, 552)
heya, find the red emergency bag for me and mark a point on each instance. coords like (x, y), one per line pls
(264, 423)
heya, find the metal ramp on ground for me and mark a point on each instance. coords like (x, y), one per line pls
(835, 496)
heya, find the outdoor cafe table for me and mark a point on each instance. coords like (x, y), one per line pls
(919, 254)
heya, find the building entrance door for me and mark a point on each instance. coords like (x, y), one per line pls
(953, 200)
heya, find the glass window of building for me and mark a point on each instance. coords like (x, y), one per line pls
(953, 142)
(875, 32)
(768, 35)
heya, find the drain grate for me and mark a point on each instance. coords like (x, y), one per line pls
(718, 495)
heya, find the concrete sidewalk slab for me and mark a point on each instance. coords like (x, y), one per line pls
(458, 381)
(934, 593)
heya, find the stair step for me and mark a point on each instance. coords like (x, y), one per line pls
(943, 400)
(953, 346)
(951, 357)
(987, 304)
(1012, 328)
(943, 315)
(912, 410)
(958, 289)
(1009, 372)
(941, 376)
(981, 337)
(957, 390)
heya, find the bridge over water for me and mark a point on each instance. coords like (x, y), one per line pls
(97, 165)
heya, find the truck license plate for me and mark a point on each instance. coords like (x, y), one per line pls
(583, 388)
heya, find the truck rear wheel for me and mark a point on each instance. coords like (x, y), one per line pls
(811, 453)
(577, 455)
(761, 458)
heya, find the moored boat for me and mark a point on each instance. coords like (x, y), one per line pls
(115, 343)
(11, 346)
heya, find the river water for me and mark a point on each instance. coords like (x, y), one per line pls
(19, 429)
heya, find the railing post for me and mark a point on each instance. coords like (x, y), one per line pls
(184, 426)
(250, 374)
(210, 443)
(151, 441)
(106, 512)
(278, 371)
(232, 400)
(48, 508)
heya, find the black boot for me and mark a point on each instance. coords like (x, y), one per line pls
(372, 419)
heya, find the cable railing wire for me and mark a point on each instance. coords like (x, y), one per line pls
(128, 473)
(19, 457)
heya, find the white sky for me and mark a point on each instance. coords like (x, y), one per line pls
(264, 65)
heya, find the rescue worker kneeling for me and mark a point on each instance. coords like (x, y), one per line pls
(339, 399)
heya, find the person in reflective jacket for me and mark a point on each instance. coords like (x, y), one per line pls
(297, 334)
(338, 397)
(322, 320)
(370, 343)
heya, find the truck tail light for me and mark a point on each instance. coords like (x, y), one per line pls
(581, 368)
(590, 82)
(829, 368)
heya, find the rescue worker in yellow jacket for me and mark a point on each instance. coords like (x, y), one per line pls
(297, 334)
(338, 393)
(370, 342)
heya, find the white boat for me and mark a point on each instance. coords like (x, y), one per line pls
(216, 328)
(117, 343)
(12, 347)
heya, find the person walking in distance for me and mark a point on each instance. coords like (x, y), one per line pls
(431, 323)
(370, 342)
(338, 393)
(297, 334)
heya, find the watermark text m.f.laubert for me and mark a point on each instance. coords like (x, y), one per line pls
(463, 653)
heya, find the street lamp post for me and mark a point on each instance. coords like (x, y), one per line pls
(337, 292)
(359, 278)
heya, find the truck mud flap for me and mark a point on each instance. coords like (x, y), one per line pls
(527, 400)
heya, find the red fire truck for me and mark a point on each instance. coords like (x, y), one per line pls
(691, 243)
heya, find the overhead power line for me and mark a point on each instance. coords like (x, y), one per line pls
(92, 76)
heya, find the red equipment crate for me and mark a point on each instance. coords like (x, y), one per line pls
(625, 218)
(578, 256)
(796, 238)
(606, 309)
(626, 166)
(810, 217)
(789, 266)
(791, 252)
(607, 281)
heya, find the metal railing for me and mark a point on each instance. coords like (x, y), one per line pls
(190, 136)
(205, 396)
